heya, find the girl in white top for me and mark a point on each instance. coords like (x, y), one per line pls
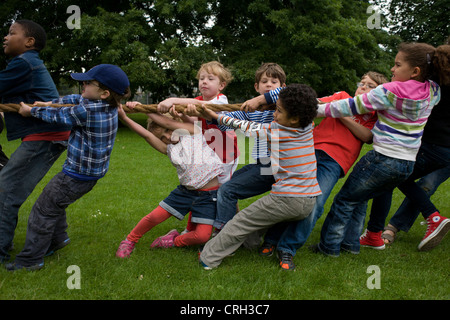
(198, 168)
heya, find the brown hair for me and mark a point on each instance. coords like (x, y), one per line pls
(432, 62)
(271, 70)
(375, 76)
(152, 125)
(441, 62)
(115, 98)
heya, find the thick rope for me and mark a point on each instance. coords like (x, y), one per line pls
(140, 108)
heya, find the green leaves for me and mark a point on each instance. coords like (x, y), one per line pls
(420, 20)
(161, 44)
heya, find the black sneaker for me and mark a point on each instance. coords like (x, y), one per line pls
(13, 266)
(286, 260)
(56, 246)
(266, 249)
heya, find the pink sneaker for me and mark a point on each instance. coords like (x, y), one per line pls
(166, 241)
(372, 240)
(126, 247)
(438, 226)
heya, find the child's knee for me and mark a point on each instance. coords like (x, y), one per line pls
(203, 237)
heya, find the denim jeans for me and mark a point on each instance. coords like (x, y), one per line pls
(290, 236)
(26, 167)
(408, 211)
(371, 177)
(249, 181)
(47, 214)
(429, 158)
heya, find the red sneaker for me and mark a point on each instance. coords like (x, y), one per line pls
(125, 249)
(438, 226)
(372, 240)
(166, 241)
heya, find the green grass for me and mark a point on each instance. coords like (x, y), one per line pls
(138, 179)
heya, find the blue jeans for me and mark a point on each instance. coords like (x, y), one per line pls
(26, 167)
(202, 204)
(48, 215)
(290, 236)
(371, 177)
(249, 181)
(408, 211)
(430, 157)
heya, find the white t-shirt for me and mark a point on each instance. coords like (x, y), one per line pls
(195, 161)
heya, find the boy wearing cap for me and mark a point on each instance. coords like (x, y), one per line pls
(94, 121)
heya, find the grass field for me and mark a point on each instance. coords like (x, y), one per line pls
(138, 179)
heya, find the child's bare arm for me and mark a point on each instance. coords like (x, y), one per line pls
(165, 105)
(253, 104)
(358, 130)
(144, 133)
(170, 123)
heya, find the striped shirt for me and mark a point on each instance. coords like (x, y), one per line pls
(402, 108)
(94, 127)
(260, 149)
(292, 156)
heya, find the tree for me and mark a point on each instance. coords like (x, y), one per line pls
(419, 20)
(161, 44)
(323, 43)
(52, 15)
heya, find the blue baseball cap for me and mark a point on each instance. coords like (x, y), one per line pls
(107, 74)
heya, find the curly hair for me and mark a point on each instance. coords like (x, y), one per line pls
(300, 100)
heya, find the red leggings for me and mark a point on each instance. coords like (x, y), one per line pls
(198, 235)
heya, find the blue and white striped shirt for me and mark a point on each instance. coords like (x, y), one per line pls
(94, 127)
(260, 149)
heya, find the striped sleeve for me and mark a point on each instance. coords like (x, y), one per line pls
(294, 162)
(272, 96)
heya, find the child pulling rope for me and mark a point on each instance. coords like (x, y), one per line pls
(141, 108)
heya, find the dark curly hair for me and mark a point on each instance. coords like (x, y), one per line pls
(299, 100)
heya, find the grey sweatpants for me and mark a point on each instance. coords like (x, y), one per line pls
(261, 214)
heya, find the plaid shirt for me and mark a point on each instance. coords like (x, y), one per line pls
(94, 127)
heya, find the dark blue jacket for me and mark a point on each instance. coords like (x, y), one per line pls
(27, 79)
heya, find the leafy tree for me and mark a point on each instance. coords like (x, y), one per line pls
(161, 44)
(52, 15)
(324, 43)
(419, 20)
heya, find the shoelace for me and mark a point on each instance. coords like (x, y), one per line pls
(428, 226)
(285, 258)
(364, 235)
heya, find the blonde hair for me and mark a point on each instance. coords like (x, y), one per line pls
(217, 69)
(376, 76)
(271, 70)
